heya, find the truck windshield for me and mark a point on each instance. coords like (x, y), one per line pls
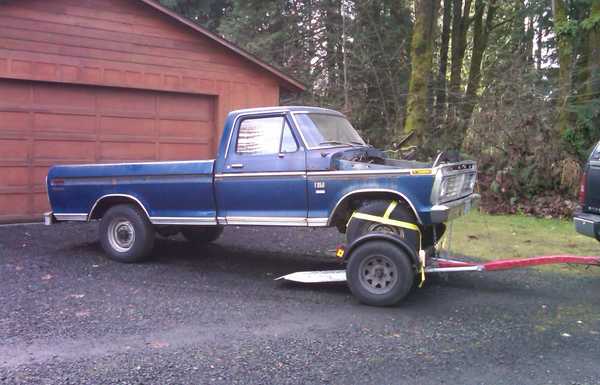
(322, 130)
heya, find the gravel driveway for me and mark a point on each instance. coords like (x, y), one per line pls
(215, 315)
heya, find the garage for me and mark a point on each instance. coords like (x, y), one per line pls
(44, 124)
(105, 81)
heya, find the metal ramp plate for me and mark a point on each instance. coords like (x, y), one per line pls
(324, 276)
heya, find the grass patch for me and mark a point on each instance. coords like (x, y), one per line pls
(491, 237)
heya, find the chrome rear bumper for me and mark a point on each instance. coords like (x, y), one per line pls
(49, 218)
(451, 210)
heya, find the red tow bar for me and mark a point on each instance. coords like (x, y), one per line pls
(448, 265)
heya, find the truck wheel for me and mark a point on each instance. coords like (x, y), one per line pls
(126, 235)
(359, 227)
(201, 234)
(379, 273)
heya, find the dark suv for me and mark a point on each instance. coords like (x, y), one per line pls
(587, 216)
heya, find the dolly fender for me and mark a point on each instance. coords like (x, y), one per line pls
(382, 237)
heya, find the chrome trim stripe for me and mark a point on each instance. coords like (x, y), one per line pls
(273, 221)
(137, 163)
(183, 221)
(267, 221)
(370, 191)
(89, 216)
(359, 172)
(317, 222)
(259, 174)
(80, 217)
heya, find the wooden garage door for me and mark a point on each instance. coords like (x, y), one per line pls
(42, 124)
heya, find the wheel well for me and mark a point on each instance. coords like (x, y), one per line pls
(102, 206)
(348, 205)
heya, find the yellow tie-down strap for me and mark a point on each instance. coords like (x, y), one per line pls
(385, 219)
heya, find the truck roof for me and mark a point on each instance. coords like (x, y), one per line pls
(286, 109)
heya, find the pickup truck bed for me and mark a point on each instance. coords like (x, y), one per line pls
(169, 192)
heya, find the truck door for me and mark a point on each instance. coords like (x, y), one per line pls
(263, 178)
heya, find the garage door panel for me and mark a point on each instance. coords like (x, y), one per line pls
(185, 129)
(14, 204)
(14, 177)
(56, 96)
(40, 202)
(115, 151)
(123, 102)
(135, 127)
(177, 151)
(39, 176)
(64, 123)
(64, 150)
(14, 93)
(14, 150)
(191, 107)
(14, 121)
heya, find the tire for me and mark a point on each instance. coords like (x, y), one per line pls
(359, 227)
(126, 234)
(201, 235)
(380, 273)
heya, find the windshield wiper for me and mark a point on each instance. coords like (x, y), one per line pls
(337, 142)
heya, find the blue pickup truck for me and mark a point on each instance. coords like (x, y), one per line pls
(277, 166)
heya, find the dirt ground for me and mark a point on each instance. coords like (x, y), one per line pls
(214, 315)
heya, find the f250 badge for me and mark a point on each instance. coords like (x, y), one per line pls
(320, 187)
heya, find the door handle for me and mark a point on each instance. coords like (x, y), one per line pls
(236, 165)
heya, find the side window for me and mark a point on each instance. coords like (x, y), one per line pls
(265, 136)
(288, 143)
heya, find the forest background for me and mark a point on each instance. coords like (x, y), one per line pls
(513, 84)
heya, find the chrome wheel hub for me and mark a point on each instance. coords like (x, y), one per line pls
(121, 235)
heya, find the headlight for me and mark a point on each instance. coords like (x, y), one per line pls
(456, 186)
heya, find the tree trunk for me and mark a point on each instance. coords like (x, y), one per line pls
(460, 25)
(481, 32)
(443, 71)
(333, 51)
(593, 89)
(565, 59)
(417, 117)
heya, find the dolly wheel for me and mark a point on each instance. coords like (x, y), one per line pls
(380, 273)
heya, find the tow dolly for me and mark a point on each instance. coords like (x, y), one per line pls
(381, 269)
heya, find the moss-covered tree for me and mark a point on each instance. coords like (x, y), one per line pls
(417, 115)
